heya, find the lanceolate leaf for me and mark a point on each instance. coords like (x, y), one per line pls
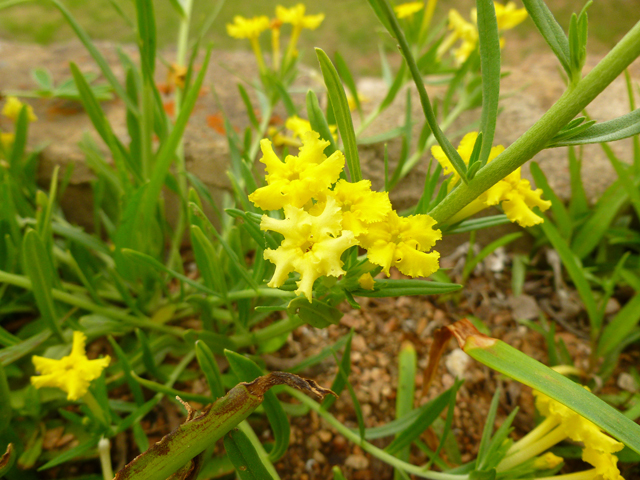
(489, 39)
(550, 30)
(505, 359)
(244, 457)
(622, 127)
(342, 113)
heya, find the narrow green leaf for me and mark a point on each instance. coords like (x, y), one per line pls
(318, 314)
(167, 150)
(39, 267)
(210, 368)
(347, 78)
(407, 364)
(247, 104)
(624, 173)
(477, 224)
(177, 6)
(8, 355)
(244, 457)
(489, 40)
(505, 359)
(620, 327)
(551, 31)
(342, 113)
(344, 370)
(625, 126)
(575, 270)
(6, 412)
(423, 422)
(319, 122)
(396, 288)
(488, 429)
(451, 153)
(146, 36)
(147, 356)
(125, 367)
(246, 370)
(20, 139)
(72, 453)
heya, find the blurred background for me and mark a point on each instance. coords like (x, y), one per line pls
(349, 25)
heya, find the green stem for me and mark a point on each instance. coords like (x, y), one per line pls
(275, 329)
(571, 103)
(367, 447)
(70, 299)
(91, 402)
(181, 169)
(521, 456)
(533, 436)
(264, 124)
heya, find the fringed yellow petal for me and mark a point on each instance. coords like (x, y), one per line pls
(12, 108)
(73, 373)
(509, 16)
(415, 263)
(296, 17)
(366, 281)
(360, 205)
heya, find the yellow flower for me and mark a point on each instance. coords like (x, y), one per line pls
(296, 17)
(513, 193)
(12, 108)
(298, 127)
(598, 447)
(312, 245)
(72, 373)
(366, 281)
(248, 27)
(509, 16)
(359, 204)
(517, 199)
(403, 242)
(176, 75)
(405, 10)
(298, 179)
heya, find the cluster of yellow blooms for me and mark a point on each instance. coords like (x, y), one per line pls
(11, 110)
(325, 215)
(508, 16)
(72, 373)
(251, 28)
(562, 423)
(513, 193)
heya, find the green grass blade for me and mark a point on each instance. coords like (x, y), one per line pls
(551, 31)
(146, 36)
(319, 122)
(489, 40)
(407, 364)
(502, 241)
(210, 368)
(345, 367)
(620, 327)
(244, 457)
(505, 359)
(167, 151)
(622, 127)
(347, 78)
(396, 288)
(340, 105)
(39, 268)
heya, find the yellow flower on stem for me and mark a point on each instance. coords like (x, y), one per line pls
(513, 193)
(366, 281)
(275, 26)
(298, 127)
(12, 108)
(406, 10)
(176, 75)
(72, 373)
(298, 20)
(298, 179)
(562, 423)
(312, 245)
(403, 242)
(359, 204)
(250, 28)
(507, 16)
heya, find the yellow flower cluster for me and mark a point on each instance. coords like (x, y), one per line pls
(598, 447)
(251, 28)
(324, 216)
(508, 16)
(513, 193)
(72, 373)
